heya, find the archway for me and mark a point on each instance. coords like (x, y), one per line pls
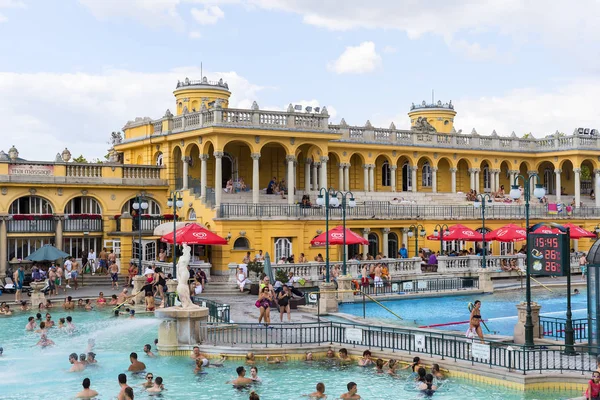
(31, 205)
(586, 177)
(404, 165)
(272, 164)
(567, 180)
(392, 245)
(373, 244)
(177, 167)
(505, 177)
(383, 174)
(333, 171)
(424, 175)
(463, 176)
(547, 177)
(444, 176)
(83, 205)
(356, 172)
(485, 180)
(238, 164)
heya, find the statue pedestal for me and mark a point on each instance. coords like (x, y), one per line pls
(519, 332)
(37, 296)
(485, 280)
(328, 302)
(180, 329)
(345, 293)
(138, 283)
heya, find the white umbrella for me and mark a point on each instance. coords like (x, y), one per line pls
(167, 227)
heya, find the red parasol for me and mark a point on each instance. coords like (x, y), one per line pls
(459, 232)
(336, 237)
(575, 232)
(508, 233)
(193, 234)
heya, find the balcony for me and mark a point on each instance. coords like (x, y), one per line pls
(31, 224)
(73, 223)
(148, 223)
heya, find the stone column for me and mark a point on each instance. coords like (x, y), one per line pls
(577, 172)
(323, 181)
(519, 330)
(492, 182)
(453, 180)
(366, 176)
(372, 178)
(347, 177)
(315, 175)
(186, 167)
(386, 233)
(3, 248)
(393, 169)
(497, 180)
(345, 291)
(434, 179)
(557, 173)
(327, 299)
(341, 176)
(218, 177)
(477, 170)
(365, 232)
(415, 184)
(203, 175)
(255, 178)
(291, 178)
(472, 178)
(532, 184)
(307, 163)
(59, 233)
(597, 186)
(405, 239)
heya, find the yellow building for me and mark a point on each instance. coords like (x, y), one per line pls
(222, 160)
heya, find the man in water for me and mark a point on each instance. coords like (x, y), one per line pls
(196, 353)
(91, 358)
(123, 385)
(158, 386)
(76, 365)
(69, 304)
(351, 394)
(70, 325)
(122, 297)
(241, 380)
(136, 366)
(148, 351)
(320, 393)
(86, 393)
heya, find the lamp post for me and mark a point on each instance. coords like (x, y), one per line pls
(515, 193)
(597, 230)
(345, 203)
(419, 231)
(480, 201)
(326, 198)
(437, 232)
(175, 201)
(140, 205)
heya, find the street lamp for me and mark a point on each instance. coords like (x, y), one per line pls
(480, 201)
(436, 232)
(421, 232)
(326, 198)
(597, 230)
(345, 203)
(139, 206)
(175, 202)
(515, 193)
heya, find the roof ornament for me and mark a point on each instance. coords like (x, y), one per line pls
(66, 155)
(393, 126)
(13, 153)
(255, 106)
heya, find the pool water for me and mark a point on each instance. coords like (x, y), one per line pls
(498, 309)
(27, 371)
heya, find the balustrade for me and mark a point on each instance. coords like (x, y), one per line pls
(76, 170)
(141, 172)
(31, 225)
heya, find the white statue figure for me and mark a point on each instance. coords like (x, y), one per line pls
(183, 275)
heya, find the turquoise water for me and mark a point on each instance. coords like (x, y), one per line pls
(498, 309)
(27, 371)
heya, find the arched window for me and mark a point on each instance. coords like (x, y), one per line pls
(386, 174)
(30, 205)
(83, 205)
(159, 159)
(426, 175)
(241, 243)
(373, 244)
(392, 245)
(487, 185)
(153, 207)
(283, 248)
(191, 215)
(549, 181)
(406, 177)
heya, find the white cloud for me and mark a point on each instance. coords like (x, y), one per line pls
(195, 35)
(208, 16)
(9, 4)
(149, 12)
(356, 60)
(46, 112)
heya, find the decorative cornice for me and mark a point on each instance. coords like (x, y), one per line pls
(255, 156)
(204, 157)
(218, 154)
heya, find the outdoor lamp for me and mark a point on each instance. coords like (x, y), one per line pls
(597, 229)
(435, 233)
(136, 206)
(179, 203)
(476, 204)
(423, 233)
(515, 192)
(410, 233)
(169, 203)
(144, 205)
(539, 191)
(320, 200)
(352, 202)
(333, 200)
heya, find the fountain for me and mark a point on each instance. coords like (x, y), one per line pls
(180, 330)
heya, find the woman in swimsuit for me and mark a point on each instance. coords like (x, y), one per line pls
(160, 282)
(427, 387)
(284, 303)
(593, 389)
(101, 300)
(264, 303)
(475, 321)
(44, 341)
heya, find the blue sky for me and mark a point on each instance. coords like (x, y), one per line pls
(73, 71)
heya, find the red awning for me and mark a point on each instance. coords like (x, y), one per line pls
(459, 232)
(508, 233)
(194, 234)
(336, 237)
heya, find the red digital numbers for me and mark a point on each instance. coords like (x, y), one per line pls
(552, 266)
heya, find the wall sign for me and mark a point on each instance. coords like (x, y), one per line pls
(354, 335)
(31, 169)
(548, 254)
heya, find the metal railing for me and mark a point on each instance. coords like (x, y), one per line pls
(82, 225)
(422, 286)
(217, 312)
(31, 226)
(386, 210)
(555, 327)
(434, 344)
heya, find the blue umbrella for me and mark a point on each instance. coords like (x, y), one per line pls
(267, 268)
(46, 253)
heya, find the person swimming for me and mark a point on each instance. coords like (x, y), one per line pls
(427, 387)
(421, 373)
(436, 372)
(365, 360)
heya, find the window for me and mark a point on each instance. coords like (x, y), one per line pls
(241, 244)
(159, 159)
(386, 174)
(487, 187)
(191, 215)
(76, 246)
(148, 248)
(83, 205)
(426, 175)
(455, 245)
(392, 245)
(373, 244)
(153, 207)
(506, 248)
(283, 248)
(30, 205)
(21, 248)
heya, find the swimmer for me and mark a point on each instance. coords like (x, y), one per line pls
(319, 393)
(61, 323)
(330, 353)
(365, 360)
(68, 304)
(196, 353)
(241, 379)
(6, 310)
(392, 365)
(38, 316)
(379, 366)
(199, 365)
(31, 325)
(427, 387)
(308, 357)
(88, 305)
(86, 393)
(576, 291)
(253, 396)
(49, 322)
(24, 306)
(148, 351)
(343, 355)
(127, 394)
(44, 341)
(276, 360)
(415, 363)
(70, 325)
(82, 359)
(149, 383)
(76, 365)
(49, 304)
(122, 297)
(158, 386)
(351, 394)
(250, 358)
(80, 303)
(435, 371)
(205, 362)
(42, 327)
(126, 391)
(91, 358)
(113, 300)
(131, 314)
(254, 374)
(421, 373)
(136, 366)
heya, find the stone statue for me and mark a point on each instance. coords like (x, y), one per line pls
(183, 275)
(422, 125)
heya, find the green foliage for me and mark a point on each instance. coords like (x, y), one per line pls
(255, 267)
(281, 276)
(80, 159)
(586, 174)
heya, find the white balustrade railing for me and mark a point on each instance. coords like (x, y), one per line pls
(167, 267)
(84, 170)
(141, 172)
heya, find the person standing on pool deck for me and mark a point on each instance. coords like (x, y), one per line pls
(19, 280)
(351, 394)
(86, 393)
(114, 276)
(284, 303)
(475, 320)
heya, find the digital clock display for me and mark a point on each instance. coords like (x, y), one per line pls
(547, 254)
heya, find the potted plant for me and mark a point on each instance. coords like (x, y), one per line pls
(257, 269)
(281, 276)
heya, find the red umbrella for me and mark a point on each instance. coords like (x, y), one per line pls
(575, 232)
(508, 233)
(459, 232)
(336, 237)
(193, 234)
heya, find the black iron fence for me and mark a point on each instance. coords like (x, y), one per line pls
(217, 312)
(82, 225)
(555, 327)
(421, 286)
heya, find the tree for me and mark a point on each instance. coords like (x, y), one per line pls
(80, 159)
